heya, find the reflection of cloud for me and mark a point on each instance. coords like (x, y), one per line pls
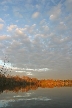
(4, 103)
(36, 99)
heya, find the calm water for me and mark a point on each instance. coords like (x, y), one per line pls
(39, 98)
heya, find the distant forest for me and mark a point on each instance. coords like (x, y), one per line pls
(15, 83)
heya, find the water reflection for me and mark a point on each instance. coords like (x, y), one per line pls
(36, 97)
(9, 98)
(25, 92)
(25, 88)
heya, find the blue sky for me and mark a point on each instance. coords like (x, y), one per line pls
(37, 34)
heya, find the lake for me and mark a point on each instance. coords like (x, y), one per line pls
(57, 97)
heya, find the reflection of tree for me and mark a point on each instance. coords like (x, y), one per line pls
(24, 84)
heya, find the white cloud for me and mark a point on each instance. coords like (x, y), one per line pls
(17, 21)
(1, 45)
(17, 12)
(35, 15)
(52, 17)
(68, 4)
(1, 20)
(38, 53)
(31, 29)
(11, 27)
(4, 2)
(6, 15)
(45, 28)
(41, 47)
(37, 45)
(43, 22)
(4, 37)
(53, 1)
(5, 8)
(55, 13)
(19, 31)
(61, 28)
(29, 73)
(1, 26)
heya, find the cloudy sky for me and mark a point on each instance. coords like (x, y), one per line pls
(36, 36)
